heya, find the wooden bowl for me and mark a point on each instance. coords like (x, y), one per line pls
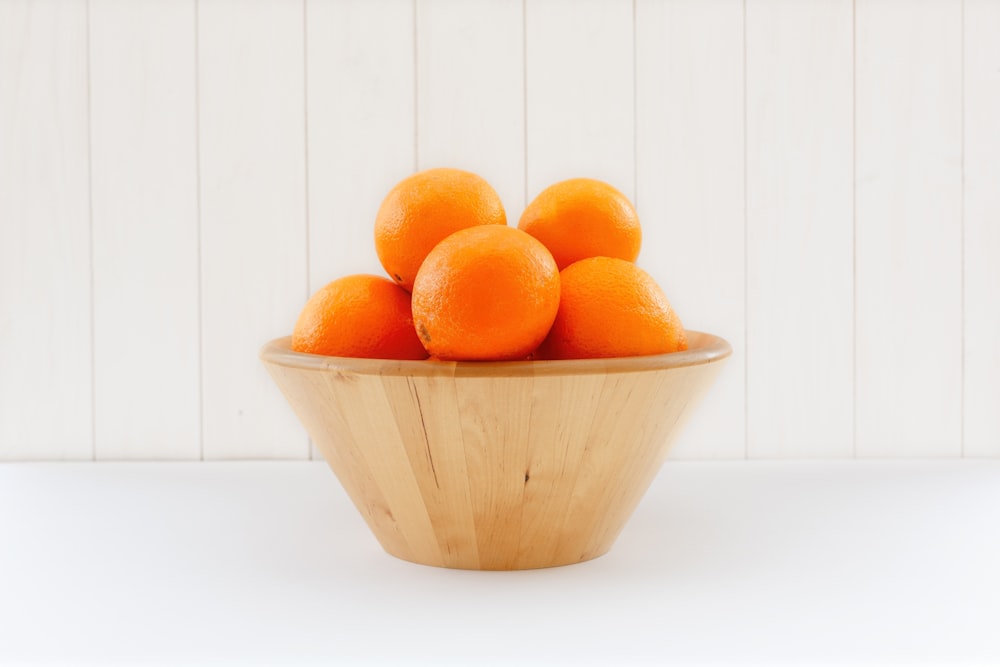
(496, 465)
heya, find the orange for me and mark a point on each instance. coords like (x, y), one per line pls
(611, 308)
(423, 209)
(485, 293)
(582, 218)
(358, 316)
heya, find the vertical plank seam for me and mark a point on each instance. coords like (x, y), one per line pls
(305, 139)
(305, 156)
(524, 84)
(746, 258)
(198, 225)
(854, 230)
(416, 96)
(962, 366)
(635, 110)
(90, 249)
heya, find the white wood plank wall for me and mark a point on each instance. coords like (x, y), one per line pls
(908, 215)
(799, 283)
(689, 189)
(46, 297)
(981, 218)
(819, 182)
(142, 104)
(254, 255)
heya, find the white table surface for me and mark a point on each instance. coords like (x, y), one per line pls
(768, 563)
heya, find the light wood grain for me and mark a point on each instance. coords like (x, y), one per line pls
(251, 109)
(689, 189)
(470, 92)
(580, 91)
(496, 466)
(982, 228)
(909, 247)
(46, 409)
(145, 216)
(799, 229)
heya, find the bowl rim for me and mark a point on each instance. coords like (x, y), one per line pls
(704, 348)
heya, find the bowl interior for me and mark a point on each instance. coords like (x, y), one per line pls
(703, 348)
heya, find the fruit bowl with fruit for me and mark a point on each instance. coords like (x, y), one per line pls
(506, 398)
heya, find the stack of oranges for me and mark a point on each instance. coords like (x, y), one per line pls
(467, 287)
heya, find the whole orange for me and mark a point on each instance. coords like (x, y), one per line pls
(358, 316)
(485, 293)
(422, 209)
(582, 218)
(611, 308)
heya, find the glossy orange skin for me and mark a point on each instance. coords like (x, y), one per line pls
(582, 218)
(424, 208)
(610, 307)
(358, 316)
(485, 293)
